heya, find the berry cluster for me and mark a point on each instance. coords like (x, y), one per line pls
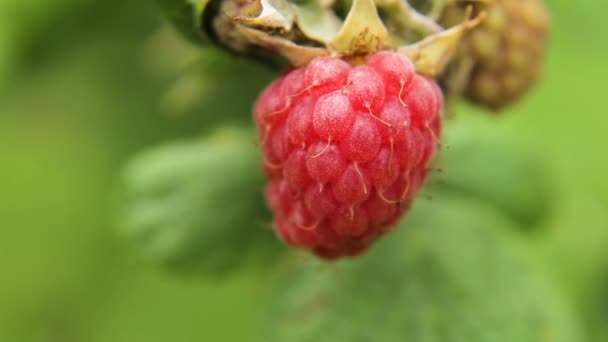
(346, 149)
(507, 50)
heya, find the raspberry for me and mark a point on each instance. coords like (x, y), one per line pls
(346, 149)
(506, 50)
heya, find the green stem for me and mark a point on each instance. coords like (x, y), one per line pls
(404, 14)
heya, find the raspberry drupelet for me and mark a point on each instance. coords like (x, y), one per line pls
(346, 149)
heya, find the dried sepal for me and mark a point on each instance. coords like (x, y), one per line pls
(268, 15)
(432, 54)
(363, 31)
(297, 55)
(317, 20)
(299, 31)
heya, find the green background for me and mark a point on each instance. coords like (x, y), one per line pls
(85, 85)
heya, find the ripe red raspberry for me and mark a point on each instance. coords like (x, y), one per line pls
(346, 149)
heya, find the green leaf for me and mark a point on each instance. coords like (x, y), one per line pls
(507, 176)
(216, 90)
(197, 205)
(574, 245)
(452, 272)
(186, 16)
(574, 248)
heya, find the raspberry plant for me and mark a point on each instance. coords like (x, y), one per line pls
(348, 134)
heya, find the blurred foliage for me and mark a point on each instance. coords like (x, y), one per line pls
(508, 177)
(184, 15)
(454, 271)
(87, 86)
(188, 200)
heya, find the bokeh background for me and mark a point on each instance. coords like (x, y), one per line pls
(85, 85)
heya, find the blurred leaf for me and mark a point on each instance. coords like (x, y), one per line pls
(504, 175)
(575, 246)
(197, 205)
(185, 15)
(216, 89)
(598, 314)
(21, 24)
(574, 249)
(453, 272)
